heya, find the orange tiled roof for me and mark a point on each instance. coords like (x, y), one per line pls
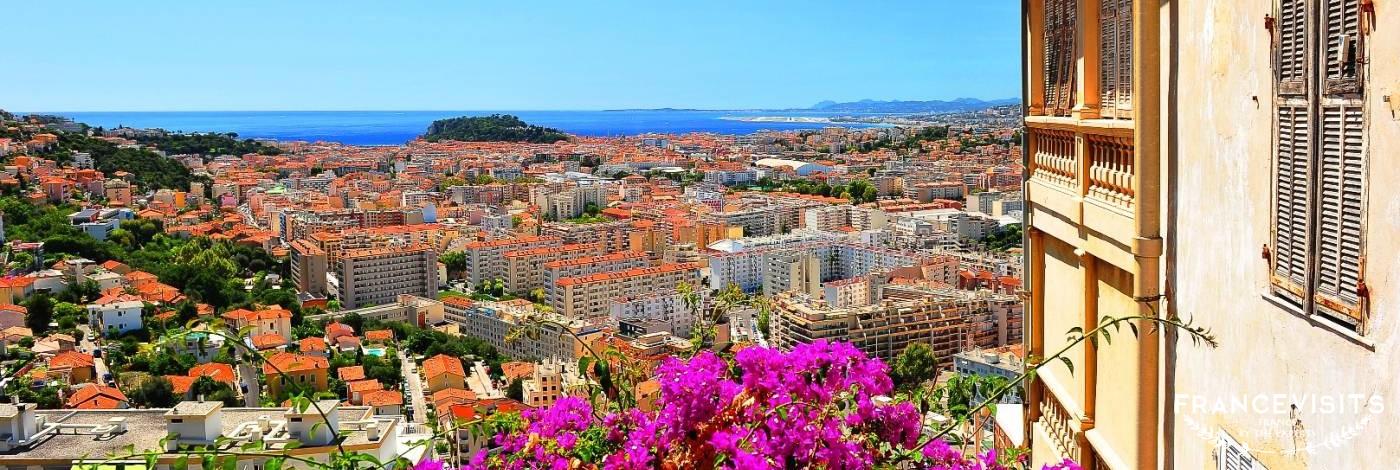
(443, 364)
(314, 343)
(448, 396)
(215, 370)
(382, 398)
(379, 335)
(97, 397)
(351, 373)
(363, 385)
(180, 384)
(634, 272)
(268, 341)
(517, 369)
(70, 360)
(290, 362)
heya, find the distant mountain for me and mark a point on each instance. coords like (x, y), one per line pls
(935, 106)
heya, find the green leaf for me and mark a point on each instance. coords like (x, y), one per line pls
(1133, 328)
(274, 463)
(584, 363)
(181, 463)
(1068, 364)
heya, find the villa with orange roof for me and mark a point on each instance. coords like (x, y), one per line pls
(443, 371)
(76, 366)
(284, 371)
(272, 319)
(384, 402)
(12, 315)
(358, 388)
(98, 397)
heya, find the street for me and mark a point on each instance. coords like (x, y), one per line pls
(415, 388)
(248, 377)
(87, 345)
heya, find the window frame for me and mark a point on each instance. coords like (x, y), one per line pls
(1324, 98)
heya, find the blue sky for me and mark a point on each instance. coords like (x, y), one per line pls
(138, 55)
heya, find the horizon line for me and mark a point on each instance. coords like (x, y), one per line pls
(683, 108)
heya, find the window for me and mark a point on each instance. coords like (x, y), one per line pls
(1116, 58)
(1231, 455)
(1059, 31)
(1320, 158)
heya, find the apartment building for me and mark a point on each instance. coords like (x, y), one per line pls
(612, 236)
(616, 261)
(666, 310)
(545, 386)
(928, 192)
(525, 268)
(589, 296)
(788, 267)
(486, 259)
(493, 322)
(948, 321)
(408, 308)
(774, 218)
(571, 202)
(432, 235)
(308, 267)
(378, 275)
(1141, 118)
(836, 218)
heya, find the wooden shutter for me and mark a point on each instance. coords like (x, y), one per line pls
(1060, 72)
(1231, 455)
(1340, 196)
(1116, 58)
(1292, 47)
(1341, 57)
(1292, 200)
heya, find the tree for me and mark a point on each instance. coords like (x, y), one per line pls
(870, 194)
(456, 263)
(40, 313)
(516, 390)
(154, 392)
(213, 390)
(914, 366)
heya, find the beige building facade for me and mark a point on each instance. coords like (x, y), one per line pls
(1142, 118)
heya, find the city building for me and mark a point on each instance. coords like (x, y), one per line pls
(378, 276)
(494, 323)
(117, 317)
(308, 267)
(948, 321)
(525, 268)
(285, 372)
(1134, 138)
(443, 372)
(589, 296)
(486, 259)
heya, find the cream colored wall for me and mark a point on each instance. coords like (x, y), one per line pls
(1064, 309)
(1117, 409)
(1222, 200)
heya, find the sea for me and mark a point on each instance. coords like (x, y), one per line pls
(397, 127)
